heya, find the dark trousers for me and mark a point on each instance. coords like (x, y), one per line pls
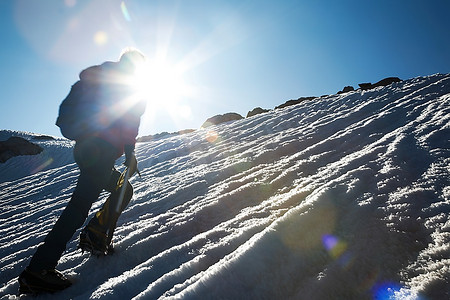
(95, 159)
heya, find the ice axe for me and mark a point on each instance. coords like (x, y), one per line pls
(122, 185)
(114, 215)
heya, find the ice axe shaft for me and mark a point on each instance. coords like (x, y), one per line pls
(122, 190)
(122, 185)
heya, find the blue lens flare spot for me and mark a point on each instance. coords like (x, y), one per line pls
(394, 291)
(385, 291)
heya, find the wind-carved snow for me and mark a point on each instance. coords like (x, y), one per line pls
(342, 197)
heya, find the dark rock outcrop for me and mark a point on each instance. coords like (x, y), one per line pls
(387, 81)
(43, 138)
(15, 146)
(162, 135)
(256, 111)
(185, 131)
(294, 102)
(382, 82)
(346, 89)
(222, 119)
(365, 86)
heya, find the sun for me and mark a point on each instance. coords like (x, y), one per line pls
(168, 95)
(160, 83)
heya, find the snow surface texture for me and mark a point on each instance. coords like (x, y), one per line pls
(342, 197)
(57, 152)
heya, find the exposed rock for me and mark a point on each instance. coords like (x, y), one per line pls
(346, 89)
(383, 82)
(365, 86)
(185, 131)
(294, 102)
(387, 81)
(152, 137)
(15, 146)
(148, 138)
(256, 111)
(43, 138)
(222, 119)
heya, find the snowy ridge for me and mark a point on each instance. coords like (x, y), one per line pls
(57, 152)
(342, 197)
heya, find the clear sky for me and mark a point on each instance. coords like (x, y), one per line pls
(212, 57)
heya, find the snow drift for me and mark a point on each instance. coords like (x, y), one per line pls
(342, 197)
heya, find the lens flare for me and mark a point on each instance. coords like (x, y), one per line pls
(212, 136)
(334, 246)
(42, 166)
(100, 38)
(386, 291)
(124, 10)
(392, 290)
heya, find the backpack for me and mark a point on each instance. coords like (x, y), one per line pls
(79, 113)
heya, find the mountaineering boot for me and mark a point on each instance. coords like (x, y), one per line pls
(45, 281)
(95, 242)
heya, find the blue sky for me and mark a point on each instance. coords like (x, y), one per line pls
(229, 56)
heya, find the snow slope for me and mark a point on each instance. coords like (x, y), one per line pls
(57, 152)
(342, 197)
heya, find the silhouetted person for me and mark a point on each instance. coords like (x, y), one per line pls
(104, 129)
